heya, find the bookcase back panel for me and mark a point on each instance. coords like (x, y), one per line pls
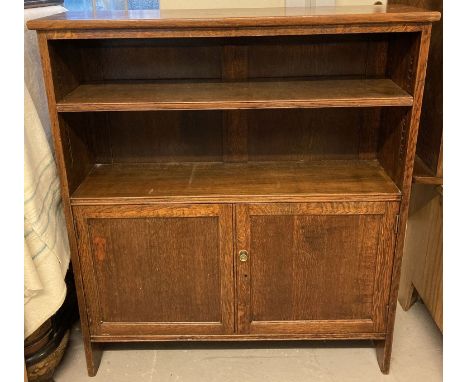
(305, 134)
(141, 59)
(310, 56)
(202, 136)
(355, 55)
(166, 136)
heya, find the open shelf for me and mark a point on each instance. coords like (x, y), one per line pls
(231, 182)
(140, 96)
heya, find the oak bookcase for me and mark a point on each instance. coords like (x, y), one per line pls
(236, 174)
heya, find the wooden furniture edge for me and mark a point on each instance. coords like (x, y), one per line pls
(223, 20)
(237, 337)
(232, 31)
(231, 200)
(92, 351)
(384, 348)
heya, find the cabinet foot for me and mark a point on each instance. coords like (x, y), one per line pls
(93, 353)
(384, 352)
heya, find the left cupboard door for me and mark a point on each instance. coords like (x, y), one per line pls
(157, 271)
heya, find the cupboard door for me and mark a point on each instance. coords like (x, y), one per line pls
(314, 268)
(157, 270)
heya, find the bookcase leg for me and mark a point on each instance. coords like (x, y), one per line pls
(93, 353)
(384, 353)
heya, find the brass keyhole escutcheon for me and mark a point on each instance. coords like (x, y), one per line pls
(243, 256)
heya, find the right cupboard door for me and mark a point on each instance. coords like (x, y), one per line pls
(314, 269)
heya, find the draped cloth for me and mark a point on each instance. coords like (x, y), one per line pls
(46, 250)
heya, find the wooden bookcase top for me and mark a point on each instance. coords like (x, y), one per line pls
(239, 17)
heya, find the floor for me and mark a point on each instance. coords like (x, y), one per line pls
(417, 356)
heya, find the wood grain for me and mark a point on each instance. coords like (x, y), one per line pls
(235, 128)
(185, 294)
(235, 182)
(309, 134)
(234, 95)
(384, 266)
(319, 282)
(162, 136)
(414, 78)
(79, 160)
(230, 136)
(92, 350)
(237, 337)
(141, 59)
(240, 17)
(213, 32)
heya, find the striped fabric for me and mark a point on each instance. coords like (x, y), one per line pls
(46, 251)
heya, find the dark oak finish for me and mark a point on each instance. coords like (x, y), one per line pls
(93, 351)
(237, 337)
(234, 95)
(235, 182)
(412, 75)
(186, 137)
(236, 17)
(230, 136)
(328, 262)
(74, 34)
(133, 275)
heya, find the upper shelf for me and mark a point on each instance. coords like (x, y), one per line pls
(239, 17)
(234, 95)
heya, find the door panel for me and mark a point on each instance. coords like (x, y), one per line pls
(160, 269)
(314, 267)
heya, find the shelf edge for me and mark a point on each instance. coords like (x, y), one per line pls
(77, 201)
(64, 107)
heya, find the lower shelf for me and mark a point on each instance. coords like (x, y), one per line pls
(237, 182)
